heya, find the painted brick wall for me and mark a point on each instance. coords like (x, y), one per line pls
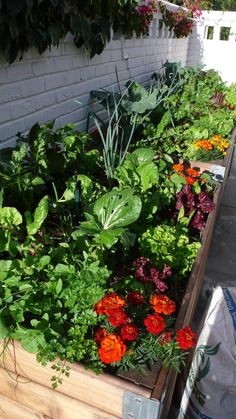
(40, 88)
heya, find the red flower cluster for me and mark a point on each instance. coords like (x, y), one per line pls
(109, 303)
(129, 332)
(162, 304)
(147, 11)
(117, 317)
(154, 323)
(186, 338)
(191, 175)
(112, 349)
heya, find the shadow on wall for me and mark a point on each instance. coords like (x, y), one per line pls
(195, 48)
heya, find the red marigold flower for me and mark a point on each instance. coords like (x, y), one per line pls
(186, 338)
(190, 180)
(165, 337)
(99, 307)
(129, 332)
(154, 323)
(135, 298)
(100, 335)
(178, 167)
(117, 317)
(112, 349)
(192, 172)
(162, 304)
(108, 303)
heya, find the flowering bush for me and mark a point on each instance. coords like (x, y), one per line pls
(181, 20)
(215, 147)
(131, 320)
(147, 11)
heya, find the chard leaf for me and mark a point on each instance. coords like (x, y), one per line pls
(9, 216)
(40, 215)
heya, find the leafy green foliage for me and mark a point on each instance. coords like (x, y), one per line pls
(170, 245)
(111, 213)
(42, 24)
(189, 114)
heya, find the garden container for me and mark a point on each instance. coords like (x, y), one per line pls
(25, 390)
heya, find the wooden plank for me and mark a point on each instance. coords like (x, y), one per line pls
(104, 392)
(13, 410)
(45, 401)
(166, 380)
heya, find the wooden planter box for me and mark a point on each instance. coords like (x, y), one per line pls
(25, 387)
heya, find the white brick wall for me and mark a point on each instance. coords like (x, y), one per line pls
(40, 88)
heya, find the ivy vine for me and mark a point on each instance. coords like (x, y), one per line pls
(41, 24)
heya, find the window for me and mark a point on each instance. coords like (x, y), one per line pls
(224, 33)
(209, 32)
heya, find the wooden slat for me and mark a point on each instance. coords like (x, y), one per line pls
(103, 392)
(165, 383)
(13, 410)
(45, 401)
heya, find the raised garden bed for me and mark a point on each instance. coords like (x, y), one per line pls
(84, 230)
(26, 389)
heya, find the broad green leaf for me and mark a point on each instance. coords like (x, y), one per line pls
(43, 261)
(4, 332)
(40, 215)
(148, 174)
(117, 209)
(31, 340)
(110, 237)
(144, 155)
(59, 286)
(62, 269)
(9, 216)
(86, 184)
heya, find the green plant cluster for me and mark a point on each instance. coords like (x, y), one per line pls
(66, 231)
(41, 24)
(76, 211)
(170, 245)
(202, 106)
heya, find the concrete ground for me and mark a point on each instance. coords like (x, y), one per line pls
(221, 263)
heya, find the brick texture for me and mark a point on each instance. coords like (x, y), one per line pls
(40, 88)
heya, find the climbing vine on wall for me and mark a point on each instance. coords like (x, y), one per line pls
(43, 23)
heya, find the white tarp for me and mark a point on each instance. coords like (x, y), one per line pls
(210, 392)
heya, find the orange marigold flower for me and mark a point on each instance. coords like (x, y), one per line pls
(190, 180)
(192, 172)
(186, 338)
(162, 304)
(112, 349)
(117, 317)
(129, 332)
(108, 303)
(165, 337)
(100, 335)
(204, 144)
(178, 167)
(154, 323)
